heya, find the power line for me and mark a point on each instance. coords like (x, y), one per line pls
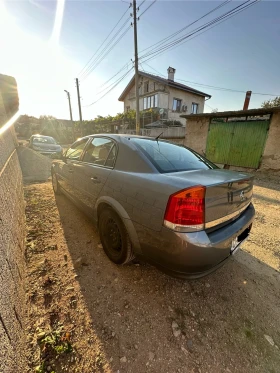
(184, 28)
(105, 52)
(147, 8)
(110, 85)
(198, 29)
(107, 81)
(226, 89)
(104, 41)
(142, 67)
(214, 23)
(153, 69)
(141, 4)
(209, 106)
(150, 46)
(176, 46)
(160, 42)
(118, 82)
(105, 55)
(215, 87)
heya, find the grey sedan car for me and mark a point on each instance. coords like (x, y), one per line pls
(45, 145)
(157, 200)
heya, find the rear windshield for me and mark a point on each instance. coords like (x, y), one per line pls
(44, 140)
(168, 157)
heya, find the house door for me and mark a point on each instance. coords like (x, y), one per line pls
(237, 143)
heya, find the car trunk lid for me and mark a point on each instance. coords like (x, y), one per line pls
(228, 193)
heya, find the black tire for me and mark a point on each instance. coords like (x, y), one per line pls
(55, 184)
(114, 237)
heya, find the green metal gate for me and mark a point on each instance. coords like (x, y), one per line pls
(239, 143)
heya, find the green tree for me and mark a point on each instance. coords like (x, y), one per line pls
(271, 103)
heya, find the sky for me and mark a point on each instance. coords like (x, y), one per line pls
(46, 44)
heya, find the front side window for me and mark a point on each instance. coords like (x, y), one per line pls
(194, 108)
(167, 157)
(100, 152)
(76, 149)
(150, 102)
(177, 104)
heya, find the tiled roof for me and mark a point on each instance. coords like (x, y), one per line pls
(168, 82)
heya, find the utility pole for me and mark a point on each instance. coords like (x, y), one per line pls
(136, 68)
(79, 103)
(70, 110)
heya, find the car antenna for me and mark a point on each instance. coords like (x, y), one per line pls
(158, 136)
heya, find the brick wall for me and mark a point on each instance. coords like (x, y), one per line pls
(12, 233)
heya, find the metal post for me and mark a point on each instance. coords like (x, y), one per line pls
(247, 100)
(79, 104)
(136, 68)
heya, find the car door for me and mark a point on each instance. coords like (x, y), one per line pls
(66, 168)
(92, 171)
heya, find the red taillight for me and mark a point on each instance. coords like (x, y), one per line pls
(185, 210)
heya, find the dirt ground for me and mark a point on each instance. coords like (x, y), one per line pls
(88, 315)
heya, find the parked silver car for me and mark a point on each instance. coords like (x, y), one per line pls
(157, 200)
(45, 145)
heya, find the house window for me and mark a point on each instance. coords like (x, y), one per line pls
(177, 104)
(194, 108)
(127, 109)
(146, 87)
(150, 102)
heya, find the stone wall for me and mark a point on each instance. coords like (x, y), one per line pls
(271, 154)
(12, 263)
(196, 134)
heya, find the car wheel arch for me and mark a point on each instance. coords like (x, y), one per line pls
(109, 202)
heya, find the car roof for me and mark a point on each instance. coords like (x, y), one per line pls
(48, 137)
(118, 136)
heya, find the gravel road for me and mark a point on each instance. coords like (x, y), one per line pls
(135, 319)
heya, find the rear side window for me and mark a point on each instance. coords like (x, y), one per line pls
(168, 157)
(76, 149)
(101, 151)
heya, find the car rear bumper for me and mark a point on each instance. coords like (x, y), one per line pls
(193, 255)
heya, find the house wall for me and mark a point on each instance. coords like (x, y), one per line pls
(12, 264)
(187, 99)
(196, 134)
(271, 154)
(165, 99)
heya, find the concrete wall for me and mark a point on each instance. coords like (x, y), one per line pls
(34, 166)
(196, 134)
(271, 155)
(164, 132)
(12, 264)
(166, 95)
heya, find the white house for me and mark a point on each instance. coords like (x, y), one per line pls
(156, 92)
